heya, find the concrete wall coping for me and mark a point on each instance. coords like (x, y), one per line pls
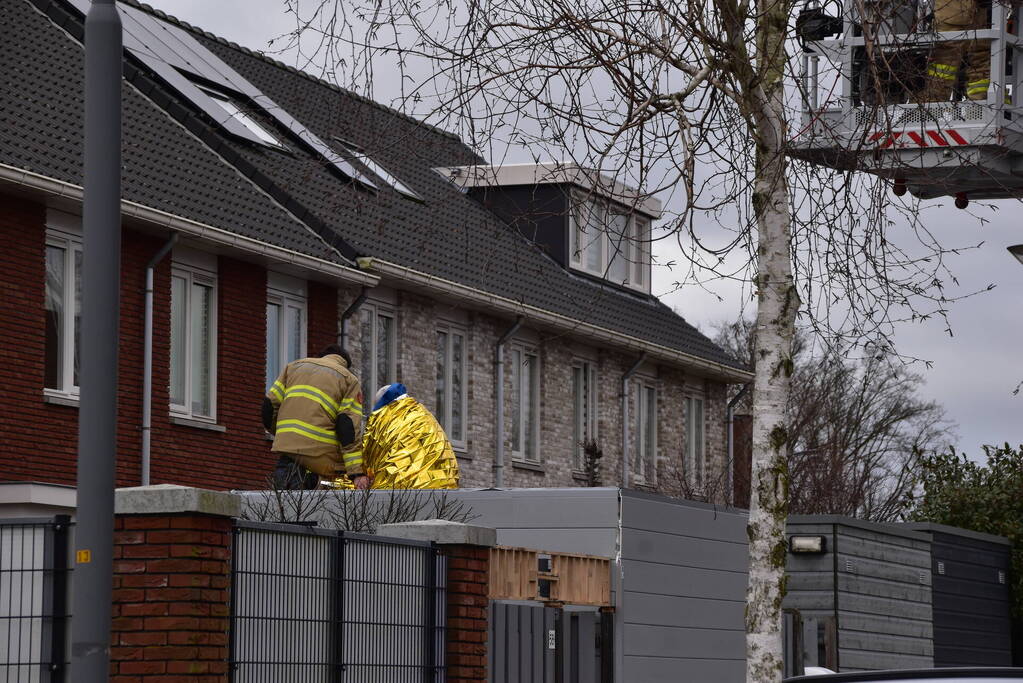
(173, 499)
(441, 531)
(37, 493)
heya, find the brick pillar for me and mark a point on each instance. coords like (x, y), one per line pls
(467, 548)
(172, 549)
(468, 567)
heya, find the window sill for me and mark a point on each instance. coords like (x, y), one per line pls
(526, 465)
(462, 453)
(60, 399)
(197, 424)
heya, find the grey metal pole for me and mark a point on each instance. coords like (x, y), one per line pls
(97, 414)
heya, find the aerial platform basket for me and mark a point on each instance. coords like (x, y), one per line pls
(862, 108)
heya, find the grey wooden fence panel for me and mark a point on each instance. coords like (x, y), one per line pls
(671, 670)
(688, 582)
(681, 612)
(586, 640)
(692, 520)
(683, 643)
(655, 609)
(661, 546)
(872, 660)
(880, 597)
(538, 629)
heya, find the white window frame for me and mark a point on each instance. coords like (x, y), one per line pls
(280, 294)
(444, 411)
(637, 250)
(696, 466)
(584, 410)
(371, 383)
(197, 275)
(71, 244)
(639, 423)
(526, 431)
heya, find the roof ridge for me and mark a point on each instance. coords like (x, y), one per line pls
(287, 67)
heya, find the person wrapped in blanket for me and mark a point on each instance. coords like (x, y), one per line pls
(404, 447)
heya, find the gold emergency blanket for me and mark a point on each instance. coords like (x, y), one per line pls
(404, 447)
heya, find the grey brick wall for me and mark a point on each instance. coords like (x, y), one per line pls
(417, 319)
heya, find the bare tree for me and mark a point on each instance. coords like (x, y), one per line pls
(350, 510)
(857, 429)
(685, 99)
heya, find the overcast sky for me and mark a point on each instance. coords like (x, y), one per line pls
(973, 373)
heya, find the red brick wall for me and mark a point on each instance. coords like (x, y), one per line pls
(467, 613)
(32, 434)
(323, 317)
(240, 456)
(170, 611)
(38, 439)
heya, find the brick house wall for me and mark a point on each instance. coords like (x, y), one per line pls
(237, 454)
(38, 435)
(417, 317)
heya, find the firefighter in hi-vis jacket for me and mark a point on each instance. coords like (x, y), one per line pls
(946, 59)
(314, 411)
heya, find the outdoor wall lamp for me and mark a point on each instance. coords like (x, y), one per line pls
(808, 544)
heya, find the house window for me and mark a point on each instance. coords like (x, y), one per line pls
(610, 242)
(285, 331)
(355, 152)
(524, 403)
(193, 368)
(63, 312)
(695, 440)
(452, 403)
(584, 397)
(379, 349)
(645, 458)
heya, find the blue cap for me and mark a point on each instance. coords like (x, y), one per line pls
(394, 391)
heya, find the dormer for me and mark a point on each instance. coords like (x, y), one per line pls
(585, 220)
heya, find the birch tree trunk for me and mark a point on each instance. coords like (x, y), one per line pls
(777, 306)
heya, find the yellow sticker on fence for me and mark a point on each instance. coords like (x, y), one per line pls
(83, 556)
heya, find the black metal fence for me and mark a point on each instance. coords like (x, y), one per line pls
(34, 599)
(321, 606)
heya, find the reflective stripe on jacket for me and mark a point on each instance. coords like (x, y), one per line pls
(308, 397)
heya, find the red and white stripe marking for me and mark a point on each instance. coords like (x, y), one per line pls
(908, 139)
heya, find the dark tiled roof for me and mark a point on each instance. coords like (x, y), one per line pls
(165, 167)
(447, 235)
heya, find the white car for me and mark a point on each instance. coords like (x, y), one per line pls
(965, 675)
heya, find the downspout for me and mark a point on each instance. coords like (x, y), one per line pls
(499, 403)
(625, 418)
(352, 309)
(147, 358)
(730, 493)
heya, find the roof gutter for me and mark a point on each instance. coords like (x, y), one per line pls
(190, 228)
(558, 321)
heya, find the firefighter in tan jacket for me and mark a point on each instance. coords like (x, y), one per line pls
(314, 411)
(947, 59)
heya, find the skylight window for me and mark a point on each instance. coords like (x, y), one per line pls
(233, 108)
(358, 154)
(177, 58)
